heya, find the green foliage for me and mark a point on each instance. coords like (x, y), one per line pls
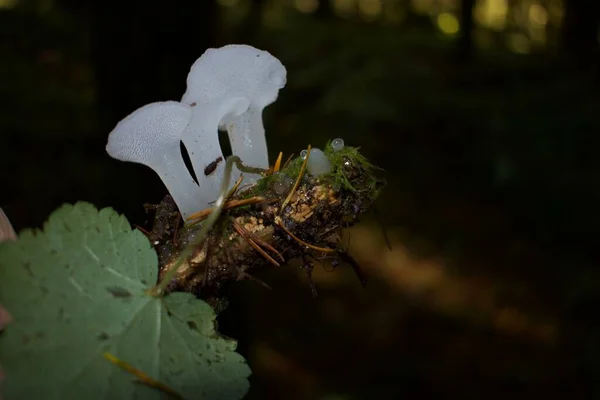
(352, 156)
(77, 289)
(293, 169)
(265, 183)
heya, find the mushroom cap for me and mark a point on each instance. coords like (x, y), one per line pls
(235, 70)
(232, 107)
(145, 134)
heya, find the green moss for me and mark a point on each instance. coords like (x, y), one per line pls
(358, 176)
(366, 179)
(262, 186)
(293, 169)
(222, 225)
(352, 153)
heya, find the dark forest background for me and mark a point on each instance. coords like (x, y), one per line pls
(484, 113)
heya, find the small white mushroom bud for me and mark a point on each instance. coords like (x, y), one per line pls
(318, 163)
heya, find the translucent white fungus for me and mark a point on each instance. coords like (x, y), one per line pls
(227, 87)
(318, 163)
(337, 144)
(239, 71)
(201, 139)
(303, 154)
(151, 136)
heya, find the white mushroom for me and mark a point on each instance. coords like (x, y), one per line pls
(151, 136)
(201, 139)
(239, 71)
(318, 163)
(227, 87)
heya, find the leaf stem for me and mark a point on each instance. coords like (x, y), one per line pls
(143, 378)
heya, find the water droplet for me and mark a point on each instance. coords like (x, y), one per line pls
(303, 154)
(337, 144)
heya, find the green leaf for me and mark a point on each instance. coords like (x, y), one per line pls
(77, 290)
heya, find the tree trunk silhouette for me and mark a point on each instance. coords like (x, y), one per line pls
(143, 50)
(465, 40)
(581, 25)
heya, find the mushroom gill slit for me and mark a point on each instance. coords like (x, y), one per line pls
(225, 143)
(188, 161)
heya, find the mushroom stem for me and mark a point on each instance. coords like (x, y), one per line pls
(244, 71)
(201, 139)
(203, 147)
(185, 192)
(248, 142)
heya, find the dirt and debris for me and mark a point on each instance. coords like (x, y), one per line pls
(259, 234)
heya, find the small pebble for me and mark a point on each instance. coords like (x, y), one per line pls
(283, 184)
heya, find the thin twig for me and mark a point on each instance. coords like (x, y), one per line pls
(277, 165)
(144, 231)
(268, 246)
(308, 268)
(176, 230)
(287, 162)
(244, 234)
(209, 250)
(244, 274)
(200, 215)
(347, 258)
(298, 179)
(303, 243)
(235, 187)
